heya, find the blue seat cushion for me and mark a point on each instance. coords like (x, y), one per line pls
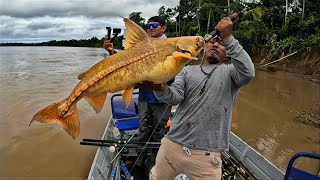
(120, 111)
(129, 124)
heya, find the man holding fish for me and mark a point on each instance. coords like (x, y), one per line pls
(206, 94)
(150, 109)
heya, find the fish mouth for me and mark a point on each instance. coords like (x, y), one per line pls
(200, 42)
(184, 51)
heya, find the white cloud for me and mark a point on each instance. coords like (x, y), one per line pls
(42, 20)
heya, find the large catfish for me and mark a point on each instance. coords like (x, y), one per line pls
(144, 59)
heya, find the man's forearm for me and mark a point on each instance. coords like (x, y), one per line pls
(164, 94)
(174, 93)
(169, 95)
(244, 68)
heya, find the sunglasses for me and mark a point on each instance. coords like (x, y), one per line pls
(153, 25)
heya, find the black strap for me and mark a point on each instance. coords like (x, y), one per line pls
(208, 77)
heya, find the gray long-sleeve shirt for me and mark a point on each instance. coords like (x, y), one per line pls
(202, 120)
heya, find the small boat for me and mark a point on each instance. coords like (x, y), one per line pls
(120, 147)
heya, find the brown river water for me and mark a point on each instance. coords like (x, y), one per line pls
(33, 77)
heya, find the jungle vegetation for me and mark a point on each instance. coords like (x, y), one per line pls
(268, 29)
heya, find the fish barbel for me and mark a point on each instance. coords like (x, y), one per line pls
(144, 59)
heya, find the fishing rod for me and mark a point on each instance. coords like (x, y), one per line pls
(150, 135)
(128, 141)
(153, 146)
(215, 33)
(121, 142)
(116, 157)
(242, 169)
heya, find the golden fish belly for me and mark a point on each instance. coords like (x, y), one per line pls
(156, 68)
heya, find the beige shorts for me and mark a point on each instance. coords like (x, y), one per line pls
(173, 159)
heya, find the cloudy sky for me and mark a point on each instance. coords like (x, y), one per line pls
(44, 20)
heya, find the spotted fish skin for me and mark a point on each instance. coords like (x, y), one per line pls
(144, 59)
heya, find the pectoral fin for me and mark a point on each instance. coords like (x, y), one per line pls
(127, 95)
(181, 56)
(96, 102)
(80, 76)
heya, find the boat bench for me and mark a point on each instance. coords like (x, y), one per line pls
(124, 118)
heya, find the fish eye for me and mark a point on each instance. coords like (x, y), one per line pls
(198, 40)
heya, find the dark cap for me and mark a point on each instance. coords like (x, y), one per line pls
(159, 19)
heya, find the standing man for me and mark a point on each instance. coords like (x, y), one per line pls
(150, 109)
(201, 124)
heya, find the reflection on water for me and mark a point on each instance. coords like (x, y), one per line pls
(34, 77)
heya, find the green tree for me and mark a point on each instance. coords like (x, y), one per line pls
(168, 14)
(136, 17)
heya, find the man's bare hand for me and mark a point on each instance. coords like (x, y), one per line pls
(148, 85)
(108, 46)
(225, 27)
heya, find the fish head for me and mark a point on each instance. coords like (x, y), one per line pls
(191, 45)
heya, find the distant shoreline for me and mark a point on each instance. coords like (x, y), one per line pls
(93, 42)
(38, 44)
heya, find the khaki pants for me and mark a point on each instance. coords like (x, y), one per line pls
(172, 160)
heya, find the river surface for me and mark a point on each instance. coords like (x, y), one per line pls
(34, 77)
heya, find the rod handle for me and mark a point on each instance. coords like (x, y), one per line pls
(234, 18)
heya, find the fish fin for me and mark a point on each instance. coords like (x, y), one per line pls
(127, 95)
(180, 56)
(69, 122)
(81, 76)
(134, 33)
(96, 102)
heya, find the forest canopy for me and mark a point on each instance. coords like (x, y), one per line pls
(268, 28)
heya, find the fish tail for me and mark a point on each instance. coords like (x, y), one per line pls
(69, 121)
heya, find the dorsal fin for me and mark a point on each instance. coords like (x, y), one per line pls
(134, 33)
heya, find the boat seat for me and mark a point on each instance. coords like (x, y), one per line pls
(124, 118)
(126, 125)
(293, 173)
(119, 110)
